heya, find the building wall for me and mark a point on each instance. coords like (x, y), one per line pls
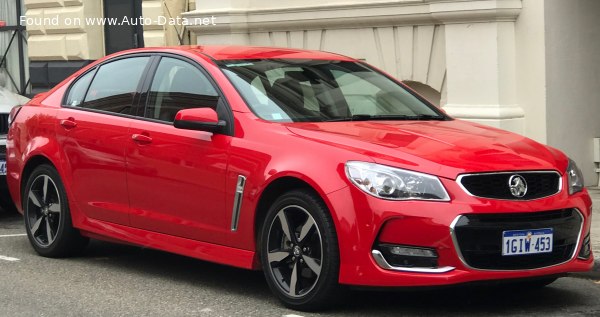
(58, 49)
(464, 50)
(572, 35)
(531, 68)
(61, 42)
(86, 42)
(161, 35)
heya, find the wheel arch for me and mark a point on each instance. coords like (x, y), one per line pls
(275, 188)
(33, 162)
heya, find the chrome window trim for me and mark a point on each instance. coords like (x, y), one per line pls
(380, 260)
(464, 262)
(237, 202)
(559, 189)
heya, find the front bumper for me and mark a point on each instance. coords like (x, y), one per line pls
(363, 221)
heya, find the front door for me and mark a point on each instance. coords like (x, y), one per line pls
(175, 177)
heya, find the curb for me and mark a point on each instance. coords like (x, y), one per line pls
(593, 274)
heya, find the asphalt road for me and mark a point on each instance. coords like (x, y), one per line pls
(117, 280)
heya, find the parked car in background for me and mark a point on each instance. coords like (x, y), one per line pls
(8, 100)
(314, 167)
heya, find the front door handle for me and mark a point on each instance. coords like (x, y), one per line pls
(68, 123)
(141, 138)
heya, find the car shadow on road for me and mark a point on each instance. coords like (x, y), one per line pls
(456, 301)
(152, 263)
(461, 301)
(10, 220)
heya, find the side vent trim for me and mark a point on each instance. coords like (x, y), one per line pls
(237, 202)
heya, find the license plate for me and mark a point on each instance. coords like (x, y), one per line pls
(522, 242)
(2, 167)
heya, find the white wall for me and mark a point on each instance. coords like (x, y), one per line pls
(573, 79)
(531, 68)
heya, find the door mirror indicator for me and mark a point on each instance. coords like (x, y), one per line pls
(201, 119)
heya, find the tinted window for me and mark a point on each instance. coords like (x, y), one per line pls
(115, 84)
(178, 85)
(77, 91)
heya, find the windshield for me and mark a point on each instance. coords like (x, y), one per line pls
(320, 90)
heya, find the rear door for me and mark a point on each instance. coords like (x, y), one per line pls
(175, 177)
(93, 131)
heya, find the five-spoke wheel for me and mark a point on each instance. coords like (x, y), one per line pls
(299, 251)
(47, 216)
(295, 251)
(43, 206)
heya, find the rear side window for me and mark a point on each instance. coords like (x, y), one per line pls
(78, 90)
(178, 85)
(115, 84)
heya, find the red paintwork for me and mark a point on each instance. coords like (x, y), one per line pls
(198, 115)
(150, 184)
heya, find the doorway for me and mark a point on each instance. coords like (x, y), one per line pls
(126, 35)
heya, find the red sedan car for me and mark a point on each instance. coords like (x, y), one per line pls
(314, 167)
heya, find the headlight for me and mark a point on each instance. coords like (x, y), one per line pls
(394, 183)
(574, 178)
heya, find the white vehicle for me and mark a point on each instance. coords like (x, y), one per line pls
(8, 100)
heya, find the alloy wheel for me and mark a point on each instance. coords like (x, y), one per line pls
(295, 251)
(43, 210)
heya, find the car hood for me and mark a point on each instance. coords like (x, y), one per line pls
(443, 148)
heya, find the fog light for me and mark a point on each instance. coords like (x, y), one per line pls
(409, 256)
(398, 250)
(586, 248)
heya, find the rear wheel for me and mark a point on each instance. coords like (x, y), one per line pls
(47, 216)
(299, 251)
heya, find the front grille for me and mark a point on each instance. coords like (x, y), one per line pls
(496, 185)
(3, 123)
(479, 238)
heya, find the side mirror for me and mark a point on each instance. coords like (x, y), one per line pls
(201, 119)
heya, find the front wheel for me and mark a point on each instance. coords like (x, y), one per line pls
(47, 215)
(299, 251)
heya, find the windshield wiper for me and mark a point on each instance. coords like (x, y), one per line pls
(368, 117)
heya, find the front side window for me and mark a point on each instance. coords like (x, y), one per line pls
(320, 90)
(115, 84)
(178, 85)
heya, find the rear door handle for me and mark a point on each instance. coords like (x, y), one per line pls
(141, 138)
(68, 123)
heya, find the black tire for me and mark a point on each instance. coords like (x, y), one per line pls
(311, 252)
(47, 216)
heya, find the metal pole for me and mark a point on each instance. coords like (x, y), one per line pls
(23, 88)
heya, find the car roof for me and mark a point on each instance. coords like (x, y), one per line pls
(236, 52)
